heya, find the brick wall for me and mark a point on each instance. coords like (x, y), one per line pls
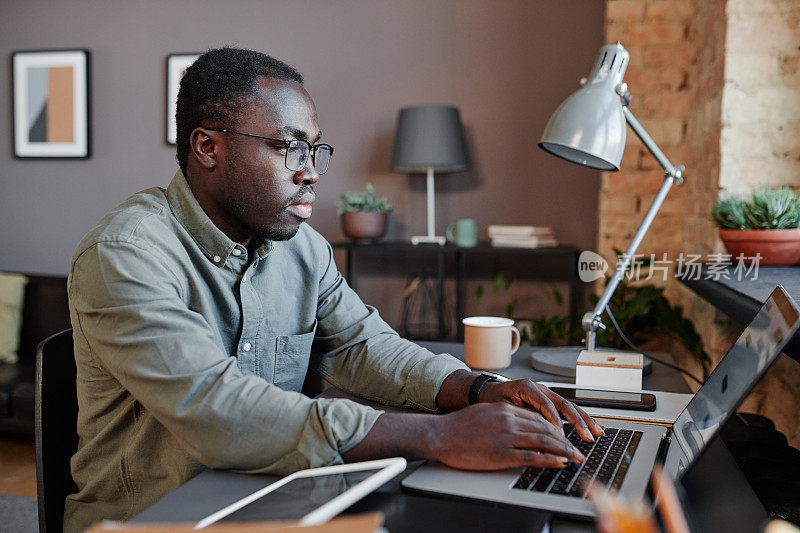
(760, 144)
(715, 83)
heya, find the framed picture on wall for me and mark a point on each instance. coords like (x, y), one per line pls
(51, 103)
(176, 67)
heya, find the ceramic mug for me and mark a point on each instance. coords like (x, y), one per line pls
(463, 232)
(489, 342)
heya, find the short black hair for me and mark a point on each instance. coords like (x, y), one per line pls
(218, 85)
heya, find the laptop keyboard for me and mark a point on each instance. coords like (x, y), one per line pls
(607, 462)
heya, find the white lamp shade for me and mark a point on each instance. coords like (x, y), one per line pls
(589, 128)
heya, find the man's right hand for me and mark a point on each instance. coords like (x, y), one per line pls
(484, 436)
(493, 436)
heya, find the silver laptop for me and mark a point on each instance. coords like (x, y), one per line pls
(624, 457)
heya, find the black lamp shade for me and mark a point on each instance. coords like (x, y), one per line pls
(429, 136)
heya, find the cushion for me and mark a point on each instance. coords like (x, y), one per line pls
(12, 295)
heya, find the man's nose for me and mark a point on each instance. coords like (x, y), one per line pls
(308, 175)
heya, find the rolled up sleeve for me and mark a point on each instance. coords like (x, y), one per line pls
(360, 353)
(131, 320)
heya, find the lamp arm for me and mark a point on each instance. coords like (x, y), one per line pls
(592, 321)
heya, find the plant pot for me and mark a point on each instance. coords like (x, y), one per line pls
(776, 246)
(364, 227)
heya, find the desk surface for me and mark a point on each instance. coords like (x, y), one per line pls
(716, 486)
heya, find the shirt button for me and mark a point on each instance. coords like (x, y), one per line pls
(244, 278)
(237, 252)
(246, 347)
(217, 258)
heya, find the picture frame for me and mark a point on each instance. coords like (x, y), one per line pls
(51, 103)
(176, 67)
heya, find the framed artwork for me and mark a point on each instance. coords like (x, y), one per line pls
(176, 68)
(51, 103)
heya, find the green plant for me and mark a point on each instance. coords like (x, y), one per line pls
(767, 209)
(364, 201)
(542, 331)
(501, 280)
(642, 311)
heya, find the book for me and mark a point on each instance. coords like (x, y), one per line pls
(519, 231)
(524, 242)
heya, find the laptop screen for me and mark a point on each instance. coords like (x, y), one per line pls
(732, 380)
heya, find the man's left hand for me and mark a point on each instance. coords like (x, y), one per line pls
(527, 394)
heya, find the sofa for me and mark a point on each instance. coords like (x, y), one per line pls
(45, 311)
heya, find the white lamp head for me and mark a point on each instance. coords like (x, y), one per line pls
(589, 128)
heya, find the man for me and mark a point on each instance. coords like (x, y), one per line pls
(198, 309)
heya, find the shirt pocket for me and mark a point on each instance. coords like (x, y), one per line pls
(292, 354)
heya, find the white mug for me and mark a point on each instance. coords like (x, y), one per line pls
(489, 342)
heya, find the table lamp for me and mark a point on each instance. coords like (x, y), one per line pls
(588, 128)
(429, 139)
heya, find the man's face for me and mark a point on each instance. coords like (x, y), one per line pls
(257, 192)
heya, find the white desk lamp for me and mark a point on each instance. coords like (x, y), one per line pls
(429, 138)
(588, 128)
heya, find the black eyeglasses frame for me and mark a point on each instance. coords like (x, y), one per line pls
(312, 148)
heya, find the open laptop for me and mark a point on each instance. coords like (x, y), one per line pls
(624, 457)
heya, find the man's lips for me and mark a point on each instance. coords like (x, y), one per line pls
(301, 210)
(302, 206)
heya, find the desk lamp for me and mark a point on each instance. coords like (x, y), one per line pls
(429, 138)
(588, 128)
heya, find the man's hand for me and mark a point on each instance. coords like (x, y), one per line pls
(522, 393)
(527, 394)
(487, 436)
(499, 435)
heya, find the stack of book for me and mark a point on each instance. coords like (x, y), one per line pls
(522, 236)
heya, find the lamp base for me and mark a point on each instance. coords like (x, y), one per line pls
(562, 360)
(425, 239)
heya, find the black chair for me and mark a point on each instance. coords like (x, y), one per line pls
(56, 418)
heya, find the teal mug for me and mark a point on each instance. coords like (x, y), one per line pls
(463, 232)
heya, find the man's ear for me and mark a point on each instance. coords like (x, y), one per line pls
(205, 146)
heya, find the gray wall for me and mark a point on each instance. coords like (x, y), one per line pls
(506, 63)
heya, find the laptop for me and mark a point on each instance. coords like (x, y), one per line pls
(624, 456)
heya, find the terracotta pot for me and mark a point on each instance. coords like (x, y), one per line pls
(776, 246)
(364, 227)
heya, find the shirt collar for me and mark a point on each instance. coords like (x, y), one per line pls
(216, 246)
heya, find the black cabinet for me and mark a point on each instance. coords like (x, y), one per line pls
(558, 263)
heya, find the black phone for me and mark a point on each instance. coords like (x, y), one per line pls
(639, 401)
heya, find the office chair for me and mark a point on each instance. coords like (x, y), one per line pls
(56, 418)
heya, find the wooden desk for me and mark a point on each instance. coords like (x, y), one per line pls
(720, 496)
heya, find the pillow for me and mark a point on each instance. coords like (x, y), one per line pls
(12, 297)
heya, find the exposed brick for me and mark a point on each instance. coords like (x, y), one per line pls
(678, 55)
(625, 10)
(648, 33)
(669, 10)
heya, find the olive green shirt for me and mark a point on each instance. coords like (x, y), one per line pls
(191, 354)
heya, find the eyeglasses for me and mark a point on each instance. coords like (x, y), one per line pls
(297, 151)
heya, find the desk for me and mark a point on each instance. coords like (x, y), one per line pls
(713, 485)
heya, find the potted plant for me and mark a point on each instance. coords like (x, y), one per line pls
(765, 225)
(364, 216)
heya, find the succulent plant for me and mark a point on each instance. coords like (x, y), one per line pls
(364, 201)
(767, 209)
(773, 209)
(730, 214)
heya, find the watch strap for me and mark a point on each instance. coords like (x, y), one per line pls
(477, 385)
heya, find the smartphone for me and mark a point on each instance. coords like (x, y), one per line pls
(639, 401)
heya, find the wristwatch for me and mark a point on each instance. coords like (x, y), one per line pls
(482, 379)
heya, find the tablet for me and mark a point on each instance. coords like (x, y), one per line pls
(310, 496)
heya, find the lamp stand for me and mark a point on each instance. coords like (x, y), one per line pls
(564, 362)
(431, 237)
